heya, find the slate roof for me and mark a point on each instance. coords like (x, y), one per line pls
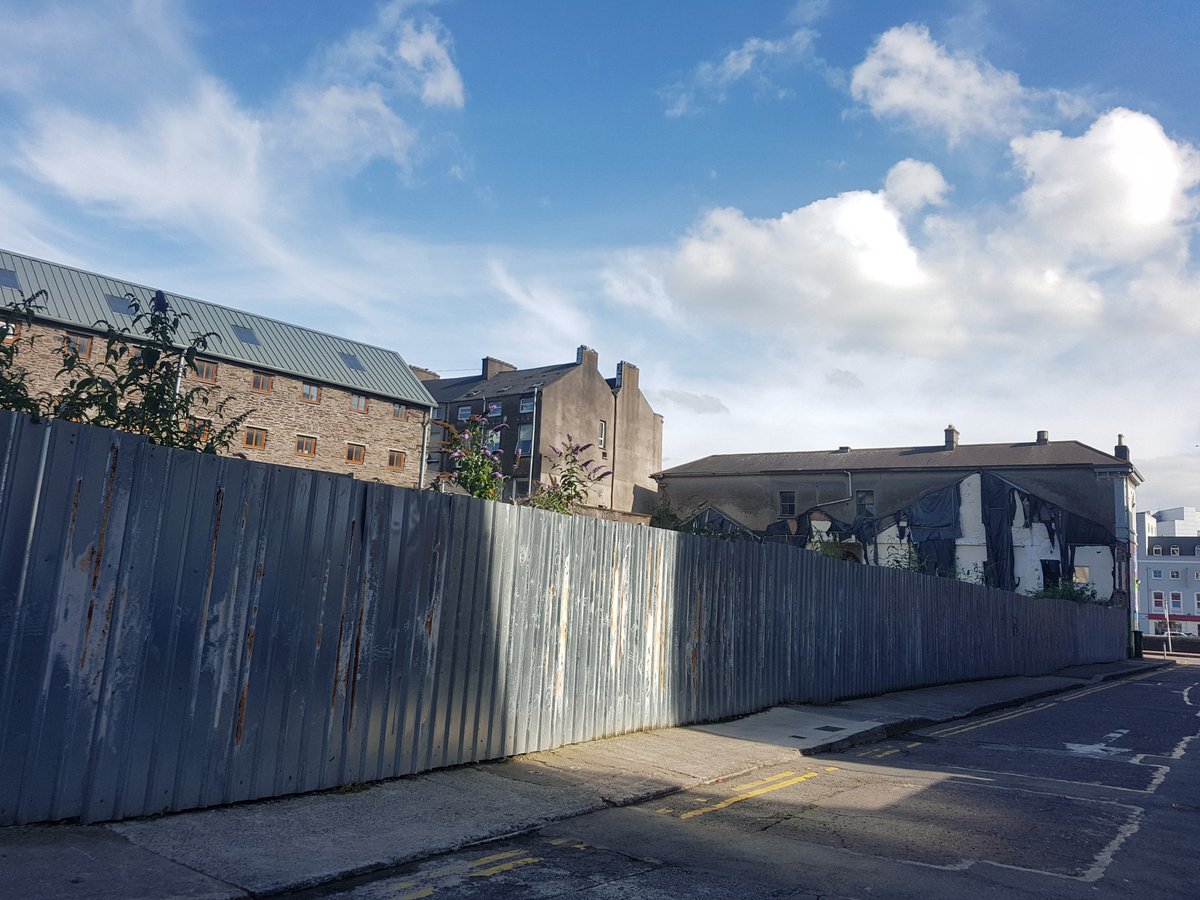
(504, 384)
(80, 299)
(964, 456)
(1187, 546)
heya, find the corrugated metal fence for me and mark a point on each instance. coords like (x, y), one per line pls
(180, 630)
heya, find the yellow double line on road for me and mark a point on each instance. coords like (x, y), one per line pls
(765, 786)
(1004, 717)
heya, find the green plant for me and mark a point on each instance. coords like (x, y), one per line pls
(16, 316)
(136, 385)
(1068, 590)
(476, 456)
(571, 479)
(905, 558)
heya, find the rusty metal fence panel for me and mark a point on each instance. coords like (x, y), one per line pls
(179, 630)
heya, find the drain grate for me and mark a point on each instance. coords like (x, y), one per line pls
(829, 728)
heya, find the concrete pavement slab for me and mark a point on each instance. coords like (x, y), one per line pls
(93, 863)
(300, 841)
(800, 728)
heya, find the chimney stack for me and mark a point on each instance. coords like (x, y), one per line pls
(585, 355)
(493, 367)
(951, 437)
(1043, 437)
(1121, 451)
(627, 376)
(843, 449)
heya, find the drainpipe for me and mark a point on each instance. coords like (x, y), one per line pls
(425, 417)
(612, 479)
(533, 440)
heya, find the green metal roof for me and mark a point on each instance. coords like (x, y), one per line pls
(81, 299)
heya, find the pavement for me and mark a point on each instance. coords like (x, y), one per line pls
(274, 846)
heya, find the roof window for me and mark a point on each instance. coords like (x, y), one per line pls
(246, 335)
(352, 362)
(8, 278)
(119, 305)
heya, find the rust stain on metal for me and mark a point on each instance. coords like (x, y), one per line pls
(108, 498)
(216, 533)
(352, 671)
(259, 572)
(241, 712)
(74, 509)
(87, 630)
(320, 631)
(429, 621)
(241, 716)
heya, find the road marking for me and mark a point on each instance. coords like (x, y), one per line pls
(506, 867)
(484, 860)
(417, 895)
(914, 744)
(959, 729)
(749, 794)
(754, 784)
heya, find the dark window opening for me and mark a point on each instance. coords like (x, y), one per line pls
(246, 335)
(352, 362)
(8, 279)
(787, 503)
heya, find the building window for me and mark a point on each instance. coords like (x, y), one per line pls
(396, 459)
(311, 393)
(864, 503)
(495, 410)
(352, 362)
(206, 371)
(356, 454)
(1156, 573)
(787, 503)
(1174, 551)
(1082, 575)
(8, 279)
(1198, 602)
(254, 438)
(79, 344)
(262, 382)
(525, 439)
(306, 445)
(399, 411)
(11, 332)
(200, 429)
(1157, 597)
(358, 403)
(602, 437)
(527, 404)
(1176, 600)
(493, 439)
(245, 335)
(1174, 574)
(464, 413)
(1156, 551)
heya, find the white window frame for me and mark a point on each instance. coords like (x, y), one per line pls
(464, 413)
(1175, 575)
(527, 404)
(1156, 551)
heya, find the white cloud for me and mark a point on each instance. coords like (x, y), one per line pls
(908, 75)
(199, 159)
(343, 126)
(840, 270)
(401, 51)
(911, 185)
(754, 60)
(1118, 193)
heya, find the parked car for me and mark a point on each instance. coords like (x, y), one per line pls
(1175, 634)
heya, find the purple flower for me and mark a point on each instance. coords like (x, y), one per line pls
(159, 303)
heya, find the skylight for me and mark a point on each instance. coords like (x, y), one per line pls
(119, 305)
(8, 278)
(352, 362)
(246, 335)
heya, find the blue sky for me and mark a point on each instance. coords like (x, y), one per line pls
(810, 224)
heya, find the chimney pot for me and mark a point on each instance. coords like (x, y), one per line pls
(1121, 451)
(951, 437)
(1043, 437)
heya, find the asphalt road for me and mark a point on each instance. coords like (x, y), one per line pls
(1093, 793)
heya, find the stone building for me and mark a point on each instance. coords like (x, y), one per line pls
(1018, 516)
(314, 400)
(542, 405)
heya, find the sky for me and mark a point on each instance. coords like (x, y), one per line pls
(810, 224)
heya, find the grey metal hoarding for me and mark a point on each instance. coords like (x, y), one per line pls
(180, 630)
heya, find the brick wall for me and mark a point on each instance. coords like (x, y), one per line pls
(283, 413)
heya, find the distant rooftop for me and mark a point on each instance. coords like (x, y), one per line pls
(80, 299)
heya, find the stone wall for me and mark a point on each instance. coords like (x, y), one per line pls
(283, 412)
